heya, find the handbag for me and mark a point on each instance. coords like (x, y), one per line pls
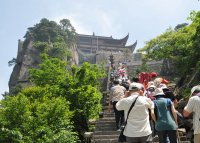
(122, 137)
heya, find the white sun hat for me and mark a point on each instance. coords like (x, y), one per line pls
(136, 85)
(158, 91)
(197, 87)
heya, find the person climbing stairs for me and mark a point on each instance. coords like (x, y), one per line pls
(105, 128)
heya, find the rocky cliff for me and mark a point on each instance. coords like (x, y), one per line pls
(27, 57)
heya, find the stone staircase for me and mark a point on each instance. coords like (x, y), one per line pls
(105, 129)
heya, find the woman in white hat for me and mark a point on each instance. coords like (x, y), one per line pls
(166, 118)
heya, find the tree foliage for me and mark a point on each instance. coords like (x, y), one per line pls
(78, 85)
(61, 100)
(50, 31)
(59, 38)
(52, 71)
(176, 45)
(180, 46)
(36, 115)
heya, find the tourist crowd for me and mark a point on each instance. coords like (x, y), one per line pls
(153, 113)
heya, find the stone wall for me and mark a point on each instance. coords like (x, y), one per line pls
(155, 66)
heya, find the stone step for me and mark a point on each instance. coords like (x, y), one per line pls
(104, 128)
(105, 124)
(105, 121)
(105, 140)
(106, 107)
(107, 111)
(107, 118)
(115, 136)
(106, 132)
(108, 114)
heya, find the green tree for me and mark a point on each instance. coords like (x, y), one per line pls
(52, 71)
(56, 89)
(70, 32)
(180, 47)
(57, 38)
(78, 85)
(82, 91)
(173, 45)
(195, 55)
(36, 115)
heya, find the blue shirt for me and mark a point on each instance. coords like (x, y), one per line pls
(164, 118)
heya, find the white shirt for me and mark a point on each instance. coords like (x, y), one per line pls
(193, 106)
(116, 93)
(138, 124)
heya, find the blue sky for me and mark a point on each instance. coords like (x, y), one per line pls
(142, 19)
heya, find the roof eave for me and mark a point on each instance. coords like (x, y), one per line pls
(132, 47)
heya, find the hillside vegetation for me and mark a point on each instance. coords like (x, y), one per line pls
(179, 47)
(62, 98)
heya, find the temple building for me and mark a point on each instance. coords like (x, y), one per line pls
(97, 49)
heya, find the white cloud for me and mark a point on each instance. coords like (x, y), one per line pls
(78, 25)
(86, 22)
(105, 22)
